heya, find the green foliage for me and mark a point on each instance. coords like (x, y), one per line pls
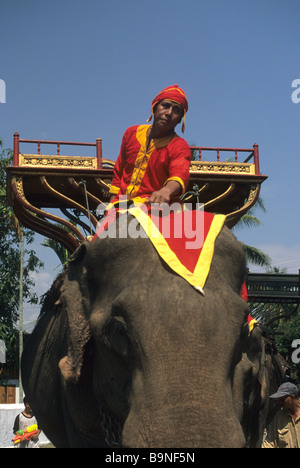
(11, 233)
(284, 320)
(289, 329)
(10, 337)
(256, 256)
(249, 220)
(62, 253)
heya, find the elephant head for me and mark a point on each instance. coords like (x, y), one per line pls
(130, 354)
(258, 375)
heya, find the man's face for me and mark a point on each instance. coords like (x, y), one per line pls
(286, 402)
(167, 115)
(28, 408)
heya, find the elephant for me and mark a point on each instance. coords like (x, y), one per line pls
(126, 353)
(258, 375)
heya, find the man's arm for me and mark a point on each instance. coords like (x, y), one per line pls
(179, 174)
(271, 439)
(165, 194)
(16, 425)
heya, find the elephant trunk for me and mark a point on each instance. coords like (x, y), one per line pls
(164, 428)
(182, 414)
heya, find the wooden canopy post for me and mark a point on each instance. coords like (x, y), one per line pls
(99, 153)
(16, 149)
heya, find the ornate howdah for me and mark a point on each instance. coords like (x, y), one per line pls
(58, 195)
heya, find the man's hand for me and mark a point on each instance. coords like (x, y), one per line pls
(165, 194)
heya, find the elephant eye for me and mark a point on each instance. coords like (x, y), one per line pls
(116, 336)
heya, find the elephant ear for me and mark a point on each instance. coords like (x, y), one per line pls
(40, 374)
(75, 303)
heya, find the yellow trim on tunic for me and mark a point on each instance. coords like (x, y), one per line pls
(114, 190)
(143, 157)
(179, 180)
(141, 162)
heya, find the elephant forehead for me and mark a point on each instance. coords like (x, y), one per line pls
(118, 249)
(126, 276)
(119, 261)
(154, 307)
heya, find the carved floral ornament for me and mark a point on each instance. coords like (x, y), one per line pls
(222, 167)
(90, 163)
(58, 161)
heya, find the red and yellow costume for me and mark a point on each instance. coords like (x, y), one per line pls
(144, 167)
(252, 323)
(139, 170)
(172, 93)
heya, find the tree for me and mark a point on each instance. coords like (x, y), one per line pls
(288, 339)
(11, 232)
(284, 320)
(10, 254)
(249, 220)
(62, 253)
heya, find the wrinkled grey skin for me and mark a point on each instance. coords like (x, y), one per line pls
(125, 350)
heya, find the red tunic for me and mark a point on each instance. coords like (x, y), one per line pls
(140, 171)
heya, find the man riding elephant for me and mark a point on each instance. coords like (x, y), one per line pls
(154, 161)
(141, 359)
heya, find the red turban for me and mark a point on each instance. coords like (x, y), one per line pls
(172, 93)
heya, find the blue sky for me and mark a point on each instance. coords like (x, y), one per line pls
(77, 70)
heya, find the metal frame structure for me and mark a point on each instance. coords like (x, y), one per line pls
(273, 288)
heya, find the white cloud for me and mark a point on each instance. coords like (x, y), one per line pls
(42, 280)
(282, 256)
